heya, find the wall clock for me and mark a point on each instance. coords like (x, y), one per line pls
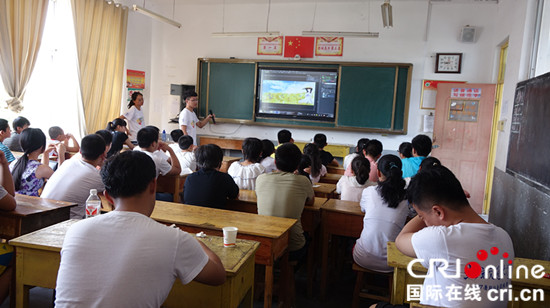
(448, 63)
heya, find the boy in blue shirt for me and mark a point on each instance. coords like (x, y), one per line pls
(421, 148)
(5, 132)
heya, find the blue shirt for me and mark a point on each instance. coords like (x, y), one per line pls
(411, 165)
(7, 152)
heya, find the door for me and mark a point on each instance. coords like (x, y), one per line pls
(462, 134)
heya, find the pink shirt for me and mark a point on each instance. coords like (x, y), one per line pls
(373, 175)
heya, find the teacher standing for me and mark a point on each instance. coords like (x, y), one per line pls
(134, 116)
(188, 119)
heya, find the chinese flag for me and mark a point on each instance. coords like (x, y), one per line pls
(299, 45)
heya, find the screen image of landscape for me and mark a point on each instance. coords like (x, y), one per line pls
(308, 94)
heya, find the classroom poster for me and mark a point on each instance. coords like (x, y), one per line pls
(299, 46)
(329, 46)
(466, 93)
(463, 110)
(135, 79)
(271, 46)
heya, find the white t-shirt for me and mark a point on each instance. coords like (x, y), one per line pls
(187, 162)
(189, 119)
(269, 164)
(136, 121)
(463, 241)
(348, 159)
(349, 189)
(72, 183)
(245, 176)
(124, 259)
(161, 161)
(316, 179)
(380, 225)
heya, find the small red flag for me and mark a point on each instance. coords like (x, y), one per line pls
(299, 45)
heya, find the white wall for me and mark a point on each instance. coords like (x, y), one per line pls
(169, 55)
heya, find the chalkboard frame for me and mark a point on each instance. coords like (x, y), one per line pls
(399, 109)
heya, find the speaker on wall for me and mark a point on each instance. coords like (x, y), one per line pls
(468, 34)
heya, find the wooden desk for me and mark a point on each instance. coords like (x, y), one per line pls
(271, 232)
(32, 213)
(172, 184)
(324, 190)
(336, 170)
(38, 257)
(227, 161)
(224, 143)
(401, 278)
(342, 218)
(331, 178)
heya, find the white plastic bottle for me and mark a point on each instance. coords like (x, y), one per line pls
(93, 204)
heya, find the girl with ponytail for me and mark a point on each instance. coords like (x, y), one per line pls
(28, 173)
(316, 169)
(385, 210)
(134, 115)
(350, 188)
(118, 128)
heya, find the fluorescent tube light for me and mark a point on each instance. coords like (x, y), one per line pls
(257, 34)
(154, 15)
(387, 16)
(333, 34)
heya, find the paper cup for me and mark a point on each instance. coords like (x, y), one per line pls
(229, 236)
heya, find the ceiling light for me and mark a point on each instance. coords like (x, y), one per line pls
(257, 34)
(387, 16)
(154, 15)
(338, 34)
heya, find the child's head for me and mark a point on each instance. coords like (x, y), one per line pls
(436, 186)
(147, 136)
(374, 149)
(429, 162)
(361, 168)
(267, 148)
(305, 162)
(252, 149)
(116, 124)
(184, 142)
(391, 185)
(5, 131)
(137, 100)
(320, 140)
(19, 124)
(312, 150)
(405, 150)
(92, 146)
(176, 134)
(107, 137)
(209, 156)
(287, 157)
(422, 145)
(284, 136)
(361, 145)
(32, 139)
(56, 133)
(128, 174)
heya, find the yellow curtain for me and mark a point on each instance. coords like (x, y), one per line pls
(100, 29)
(21, 28)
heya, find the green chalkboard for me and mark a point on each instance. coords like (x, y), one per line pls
(371, 96)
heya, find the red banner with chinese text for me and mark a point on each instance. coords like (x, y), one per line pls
(272, 46)
(329, 46)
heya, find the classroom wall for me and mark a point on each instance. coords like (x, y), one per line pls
(173, 52)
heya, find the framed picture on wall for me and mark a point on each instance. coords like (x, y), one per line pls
(429, 92)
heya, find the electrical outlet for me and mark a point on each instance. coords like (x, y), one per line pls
(500, 125)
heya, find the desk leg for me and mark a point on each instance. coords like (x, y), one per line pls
(324, 264)
(311, 264)
(268, 289)
(398, 288)
(21, 295)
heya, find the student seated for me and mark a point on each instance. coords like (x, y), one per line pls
(421, 148)
(7, 203)
(185, 155)
(448, 228)
(350, 188)
(386, 211)
(148, 141)
(5, 132)
(117, 127)
(73, 180)
(244, 174)
(361, 145)
(405, 150)
(372, 152)
(326, 158)
(208, 186)
(124, 258)
(316, 168)
(176, 135)
(28, 173)
(107, 137)
(265, 159)
(57, 135)
(283, 193)
(18, 124)
(283, 136)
